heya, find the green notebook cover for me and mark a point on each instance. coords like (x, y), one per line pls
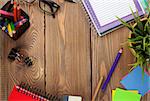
(144, 4)
(123, 95)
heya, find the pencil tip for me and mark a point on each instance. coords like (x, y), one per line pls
(121, 50)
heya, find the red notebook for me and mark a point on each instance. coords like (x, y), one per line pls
(19, 94)
(24, 92)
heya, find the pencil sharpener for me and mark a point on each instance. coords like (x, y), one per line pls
(20, 56)
(17, 27)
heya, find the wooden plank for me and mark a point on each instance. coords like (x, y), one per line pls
(68, 69)
(33, 42)
(4, 65)
(104, 50)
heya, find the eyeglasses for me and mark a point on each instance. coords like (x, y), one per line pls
(48, 6)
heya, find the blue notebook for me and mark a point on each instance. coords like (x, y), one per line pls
(135, 80)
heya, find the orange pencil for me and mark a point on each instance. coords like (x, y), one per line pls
(97, 88)
(15, 12)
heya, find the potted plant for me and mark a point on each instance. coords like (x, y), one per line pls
(139, 40)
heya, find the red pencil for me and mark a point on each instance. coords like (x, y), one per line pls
(18, 12)
(15, 12)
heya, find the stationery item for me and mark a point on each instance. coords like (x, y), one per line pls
(18, 12)
(145, 4)
(114, 92)
(5, 25)
(21, 17)
(15, 12)
(97, 88)
(25, 92)
(9, 30)
(123, 95)
(102, 13)
(6, 13)
(112, 70)
(137, 80)
(21, 57)
(13, 28)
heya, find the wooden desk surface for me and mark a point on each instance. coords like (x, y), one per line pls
(70, 55)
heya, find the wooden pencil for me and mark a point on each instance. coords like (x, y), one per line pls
(97, 88)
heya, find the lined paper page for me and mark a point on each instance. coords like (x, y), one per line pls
(107, 10)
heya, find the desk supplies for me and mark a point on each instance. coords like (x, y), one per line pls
(114, 93)
(102, 13)
(48, 6)
(136, 80)
(97, 88)
(21, 57)
(15, 11)
(124, 95)
(112, 70)
(6, 13)
(24, 92)
(14, 17)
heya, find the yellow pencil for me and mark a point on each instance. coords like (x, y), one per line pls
(97, 88)
(9, 30)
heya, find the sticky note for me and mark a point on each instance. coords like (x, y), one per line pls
(114, 92)
(137, 80)
(124, 95)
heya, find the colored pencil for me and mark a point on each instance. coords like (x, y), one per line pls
(5, 25)
(19, 23)
(9, 30)
(6, 13)
(13, 28)
(15, 12)
(97, 88)
(18, 12)
(112, 70)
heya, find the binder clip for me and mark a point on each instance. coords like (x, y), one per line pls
(13, 20)
(21, 57)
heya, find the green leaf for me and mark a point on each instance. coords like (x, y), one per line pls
(135, 17)
(139, 32)
(138, 38)
(144, 40)
(125, 24)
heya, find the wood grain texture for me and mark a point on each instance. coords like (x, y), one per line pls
(104, 51)
(70, 56)
(68, 52)
(33, 43)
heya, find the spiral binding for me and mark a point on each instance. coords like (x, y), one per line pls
(88, 17)
(36, 93)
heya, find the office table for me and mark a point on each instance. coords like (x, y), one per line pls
(70, 56)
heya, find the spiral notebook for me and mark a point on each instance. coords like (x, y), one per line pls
(25, 92)
(103, 13)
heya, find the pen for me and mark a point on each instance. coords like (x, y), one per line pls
(112, 69)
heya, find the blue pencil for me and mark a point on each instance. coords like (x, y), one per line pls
(112, 70)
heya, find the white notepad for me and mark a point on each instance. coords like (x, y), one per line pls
(103, 12)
